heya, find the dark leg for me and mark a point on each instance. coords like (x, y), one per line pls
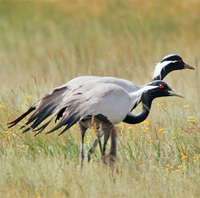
(106, 137)
(83, 129)
(99, 135)
(91, 151)
(111, 158)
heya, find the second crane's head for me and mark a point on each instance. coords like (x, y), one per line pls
(168, 64)
(157, 89)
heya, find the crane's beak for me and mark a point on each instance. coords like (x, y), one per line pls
(174, 93)
(186, 66)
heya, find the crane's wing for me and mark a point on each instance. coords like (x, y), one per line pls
(45, 106)
(90, 99)
(108, 100)
(50, 103)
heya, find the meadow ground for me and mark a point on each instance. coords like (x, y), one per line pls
(45, 44)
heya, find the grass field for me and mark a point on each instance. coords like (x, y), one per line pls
(45, 44)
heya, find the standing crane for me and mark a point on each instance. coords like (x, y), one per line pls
(105, 104)
(168, 64)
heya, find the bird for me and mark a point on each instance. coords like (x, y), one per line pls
(105, 104)
(168, 64)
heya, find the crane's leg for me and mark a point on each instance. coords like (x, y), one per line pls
(111, 157)
(83, 130)
(113, 149)
(92, 149)
(106, 138)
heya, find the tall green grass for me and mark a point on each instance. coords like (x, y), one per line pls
(45, 44)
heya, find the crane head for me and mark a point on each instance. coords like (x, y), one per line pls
(168, 64)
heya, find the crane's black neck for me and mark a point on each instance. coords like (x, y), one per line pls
(166, 70)
(137, 118)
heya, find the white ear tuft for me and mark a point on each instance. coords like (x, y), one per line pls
(161, 67)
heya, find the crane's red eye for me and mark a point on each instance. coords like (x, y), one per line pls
(161, 86)
(179, 60)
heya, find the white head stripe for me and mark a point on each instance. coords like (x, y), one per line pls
(142, 90)
(161, 66)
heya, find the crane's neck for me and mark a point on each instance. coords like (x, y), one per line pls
(160, 75)
(137, 118)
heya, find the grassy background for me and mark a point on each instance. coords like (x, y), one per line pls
(45, 44)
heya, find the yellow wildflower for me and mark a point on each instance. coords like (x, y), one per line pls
(191, 117)
(8, 132)
(192, 121)
(150, 141)
(29, 96)
(1, 106)
(184, 157)
(161, 129)
(186, 106)
(145, 122)
(147, 129)
(174, 138)
(129, 128)
(158, 104)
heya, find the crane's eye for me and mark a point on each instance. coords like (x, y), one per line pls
(179, 60)
(161, 86)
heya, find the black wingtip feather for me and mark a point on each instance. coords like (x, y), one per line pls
(21, 117)
(42, 127)
(73, 119)
(68, 126)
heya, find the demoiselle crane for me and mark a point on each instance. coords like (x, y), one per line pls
(168, 64)
(105, 104)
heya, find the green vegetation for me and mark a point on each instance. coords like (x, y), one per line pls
(45, 44)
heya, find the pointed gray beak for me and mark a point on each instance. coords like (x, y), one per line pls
(174, 93)
(186, 66)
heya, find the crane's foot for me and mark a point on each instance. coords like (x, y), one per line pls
(109, 159)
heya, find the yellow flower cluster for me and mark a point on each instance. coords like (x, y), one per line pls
(29, 96)
(162, 129)
(8, 132)
(1, 106)
(184, 157)
(145, 122)
(158, 105)
(191, 119)
(186, 106)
